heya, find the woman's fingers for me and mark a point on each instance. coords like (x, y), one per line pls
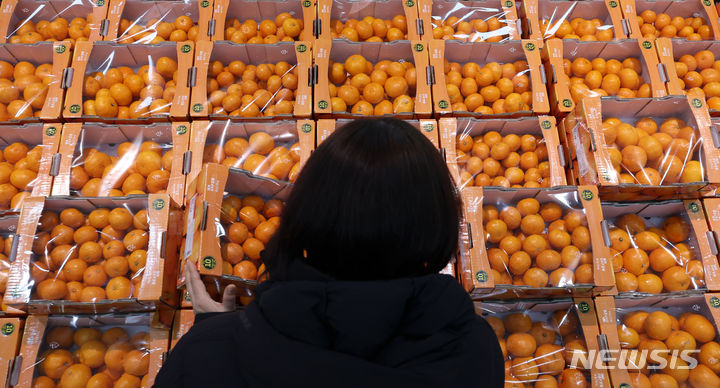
(228, 300)
(201, 300)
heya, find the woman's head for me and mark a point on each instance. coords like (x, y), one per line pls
(374, 201)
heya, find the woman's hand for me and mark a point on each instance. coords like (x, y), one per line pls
(201, 300)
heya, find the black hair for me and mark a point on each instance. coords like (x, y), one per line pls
(374, 201)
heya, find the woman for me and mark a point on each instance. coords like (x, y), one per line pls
(354, 297)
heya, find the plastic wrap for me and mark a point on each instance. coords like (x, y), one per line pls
(691, 69)
(689, 19)
(541, 342)
(593, 20)
(91, 350)
(660, 247)
(521, 152)
(251, 81)
(372, 79)
(115, 82)
(8, 229)
(470, 21)
(488, 79)
(380, 21)
(29, 21)
(262, 21)
(79, 255)
(152, 22)
(99, 160)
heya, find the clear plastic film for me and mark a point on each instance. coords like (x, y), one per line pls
(696, 66)
(261, 22)
(147, 22)
(474, 21)
(687, 20)
(587, 21)
(8, 228)
(382, 21)
(91, 350)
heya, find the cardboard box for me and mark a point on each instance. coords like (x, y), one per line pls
(670, 51)
(534, 12)
(151, 291)
(542, 127)
(482, 281)
(14, 13)
(482, 54)
(429, 128)
(343, 10)
(33, 346)
(590, 155)
(401, 51)
(434, 13)
(107, 138)
(684, 8)
(10, 333)
(712, 214)
(141, 12)
(184, 320)
(297, 54)
(8, 236)
(89, 58)
(561, 98)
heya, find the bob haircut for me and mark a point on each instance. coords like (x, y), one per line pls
(375, 201)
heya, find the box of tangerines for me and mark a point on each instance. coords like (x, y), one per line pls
(643, 149)
(661, 247)
(488, 79)
(29, 22)
(469, 21)
(429, 128)
(95, 255)
(689, 19)
(98, 160)
(576, 70)
(521, 152)
(533, 243)
(116, 83)
(662, 342)
(377, 21)
(152, 22)
(90, 350)
(262, 22)
(540, 342)
(593, 20)
(371, 79)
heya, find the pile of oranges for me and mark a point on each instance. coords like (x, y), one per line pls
(88, 258)
(90, 357)
(267, 89)
(538, 245)
(654, 25)
(128, 94)
(701, 73)
(652, 155)
(601, 77)
(658, 330)
(472, 30)
(19, 165)
(577, 28)
(359, 87)
(511, 161)
(491, 89)
(78, 29)
(258, 154)
(157, 31)
(137, 169)
(539, 353)
(284, 28)
(23, 89)
(370, 29)
(249, 223)
(654, 259)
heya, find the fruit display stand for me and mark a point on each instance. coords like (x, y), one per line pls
(61, 267)
(521, 152)
(378, 21)
(28, 21)
(184, 320)
(470, 21)
(607, 150)
(550, 262)
(590, 20)
(429, 128)
(124, 83)
(687, 19)
(99, 160)
(540, 339)
(28, 151)
(152, 22)
(241, 21)
(661, 248)
(124, 350)
(627, 69)
(485, 79)
(400, 87)
(251, 81)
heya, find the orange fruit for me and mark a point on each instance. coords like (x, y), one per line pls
(56, 362)
(517, 323)
(136, 362)
(521, 344)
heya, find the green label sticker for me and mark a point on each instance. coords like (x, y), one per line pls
(715, 302)
(546, 124)
(508, 4)
(306, 128)
(322, 104)
(185, 48)
(583, 307)
(209, 262)
(443, 104)
(306, 3)
(428, 127)
(100, 3)
(707, 3)
(481, 276)
(75, 108)
(419, 47)
(625, 385)
(197, 108)
(181, 129)
(587, 195)
(530, 46)
(410, 3)
(647, 45)
(60, 49)
(567, 103)
(694, 207)
(301, 48)
(696, 103)
(8, 328)
(158, 204)
(51, 131)
(205, 3)
(613, 4)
